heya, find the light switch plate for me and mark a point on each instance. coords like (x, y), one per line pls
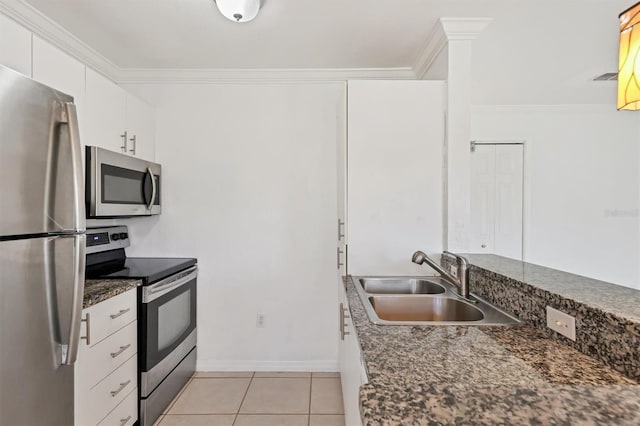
(563, 323)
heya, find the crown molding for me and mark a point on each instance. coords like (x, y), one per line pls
(191, 76)
(436, 43)
(464, 28)
(541, 108)
(43, 27)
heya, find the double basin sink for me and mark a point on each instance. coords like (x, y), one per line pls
(424, 301)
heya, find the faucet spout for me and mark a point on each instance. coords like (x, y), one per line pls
(462, 281)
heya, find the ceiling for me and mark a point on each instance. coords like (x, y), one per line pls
(286, 33)
(534, 51)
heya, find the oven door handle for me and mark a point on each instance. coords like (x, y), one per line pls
(163, 287)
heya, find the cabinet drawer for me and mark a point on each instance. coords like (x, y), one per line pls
(109, 316)
(95, 404)
(98, 361)
(125, 414)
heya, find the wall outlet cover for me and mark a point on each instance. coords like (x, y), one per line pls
(260, 321)
(562, 323)
(453, 270)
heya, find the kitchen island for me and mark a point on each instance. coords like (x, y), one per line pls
(422, 375)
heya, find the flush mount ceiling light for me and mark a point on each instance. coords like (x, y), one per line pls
(629, 59)
(238, 10)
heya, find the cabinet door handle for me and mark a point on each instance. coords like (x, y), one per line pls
(87, 329)
(122, 349)
(133, 140)
(124, 142)
(122, 386)
(124, 421)
(339, 255)
(340, 229)
(119, 314)
(342, 323)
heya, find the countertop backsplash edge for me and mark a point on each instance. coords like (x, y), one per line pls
(605, 336)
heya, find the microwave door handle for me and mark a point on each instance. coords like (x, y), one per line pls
(153, 189)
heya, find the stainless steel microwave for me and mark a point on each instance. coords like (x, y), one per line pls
(119, 185)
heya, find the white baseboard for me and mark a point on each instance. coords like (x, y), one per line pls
(215, 365)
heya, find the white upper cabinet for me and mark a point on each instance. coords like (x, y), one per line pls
(56, 69)
(117, 120)
(141, 128)
(395, 175)
(106, 113)
(15, 46)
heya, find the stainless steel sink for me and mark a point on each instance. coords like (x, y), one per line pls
(403, 308)
(400, 286)
(424, 301)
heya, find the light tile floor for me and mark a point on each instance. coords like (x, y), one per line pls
(258, 399)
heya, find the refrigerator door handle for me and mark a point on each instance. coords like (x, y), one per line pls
(71, 119)
(70, 347)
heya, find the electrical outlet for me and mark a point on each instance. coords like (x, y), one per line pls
(453, 270)
(562, 323)
(260, 321)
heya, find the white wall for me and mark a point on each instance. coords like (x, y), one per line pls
(581, 185)
(250, 190)
(395, 162)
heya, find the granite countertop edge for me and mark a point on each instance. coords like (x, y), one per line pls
(97, 291)
(408, 387)
(606, 297)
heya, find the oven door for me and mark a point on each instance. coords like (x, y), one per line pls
(121, 185)
(167, 326)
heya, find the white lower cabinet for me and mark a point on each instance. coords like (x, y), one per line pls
(352, 370)
(106, 372)
(125, 414)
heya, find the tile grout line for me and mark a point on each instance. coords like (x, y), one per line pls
(243, 398)
(175, 399)
(310, 391)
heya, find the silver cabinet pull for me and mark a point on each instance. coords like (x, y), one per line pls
(133, 140)
(122, 386)
(124, 142)
(343, 316)
(124, 421)
(122, 349)
(119, 314)
(339, 253)
(87, 321)
(340, 229)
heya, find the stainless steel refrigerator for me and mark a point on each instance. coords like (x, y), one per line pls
(42, 251)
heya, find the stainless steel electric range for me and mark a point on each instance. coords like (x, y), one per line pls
(166, 315)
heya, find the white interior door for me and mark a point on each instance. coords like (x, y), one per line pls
(497, 172)
(483, 198)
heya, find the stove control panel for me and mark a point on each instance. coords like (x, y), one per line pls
(107, 238)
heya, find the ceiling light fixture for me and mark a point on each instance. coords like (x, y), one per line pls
(629, 59)
(238, 10)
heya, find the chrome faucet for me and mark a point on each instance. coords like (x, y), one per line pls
(462, 281)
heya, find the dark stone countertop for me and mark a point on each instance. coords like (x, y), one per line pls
(96, 291)
(422, 375)
(611, 298)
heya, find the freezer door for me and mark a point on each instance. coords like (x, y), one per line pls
(41, 178)
(40, 306)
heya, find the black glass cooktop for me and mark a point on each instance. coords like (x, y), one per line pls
(148, 269)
